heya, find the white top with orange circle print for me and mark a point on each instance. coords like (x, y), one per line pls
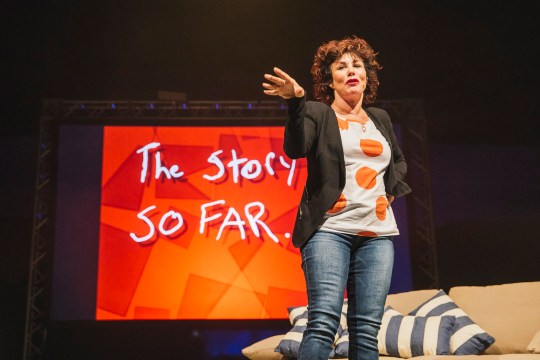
(362, 208)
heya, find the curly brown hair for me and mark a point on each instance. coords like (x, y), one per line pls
(333, 50)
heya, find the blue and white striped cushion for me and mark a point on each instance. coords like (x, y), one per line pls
(406, 336)
(290, 344)
(298, 316)
(296, 313)
(341, 346)
(468, 338)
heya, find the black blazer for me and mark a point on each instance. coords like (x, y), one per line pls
(312, 131)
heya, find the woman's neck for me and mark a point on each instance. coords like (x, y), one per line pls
(344, 107)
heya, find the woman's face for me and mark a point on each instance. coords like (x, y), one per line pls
(348, 76)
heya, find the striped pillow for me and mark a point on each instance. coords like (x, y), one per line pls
(298, 316)
(290, 344)
(341, 349)
(407, 336)
(341, 345)
(468, 338)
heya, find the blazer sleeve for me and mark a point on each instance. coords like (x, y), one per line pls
(300, 129)
(400, 165)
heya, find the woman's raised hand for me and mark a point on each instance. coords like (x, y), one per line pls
(282, 85)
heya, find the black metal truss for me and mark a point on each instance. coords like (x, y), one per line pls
(408, 112)
(39, 272)
(163, 110)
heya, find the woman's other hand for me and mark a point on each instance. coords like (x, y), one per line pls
(390, 198)
(282, 85)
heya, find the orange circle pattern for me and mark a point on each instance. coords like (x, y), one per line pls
(342, 124)
(339, 205)
(371, 148)
(380, 208)
(367, 233)
(366, 177)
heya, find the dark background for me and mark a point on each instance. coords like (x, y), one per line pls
(474, 63)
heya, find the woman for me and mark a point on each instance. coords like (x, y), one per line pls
(344, 225)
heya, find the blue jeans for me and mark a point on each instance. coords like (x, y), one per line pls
(330, 262)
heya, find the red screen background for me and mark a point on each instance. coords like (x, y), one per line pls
(173, 271)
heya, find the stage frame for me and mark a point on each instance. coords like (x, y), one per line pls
(409, 113)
